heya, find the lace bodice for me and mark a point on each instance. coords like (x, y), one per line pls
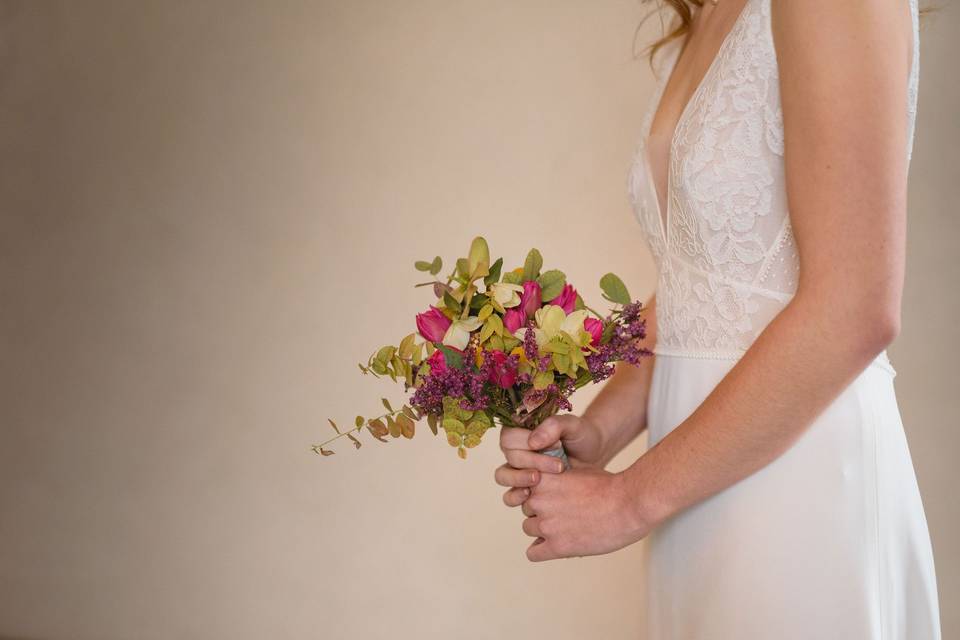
(724, 248)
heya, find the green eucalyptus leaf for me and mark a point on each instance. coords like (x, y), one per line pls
(512, 277)
(436, 265)
(614, 288)
(451, 303)
(452, 358)
(406, 346)
(479, 256)
(478, 301)
(463, 268)
(542, 379)
(532, 265)
(551, 283)
(494, 273)
(452, 425)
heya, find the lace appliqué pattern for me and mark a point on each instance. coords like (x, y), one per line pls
(725, 250)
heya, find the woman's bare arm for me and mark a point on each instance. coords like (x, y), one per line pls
(619, 410)
(843, 75)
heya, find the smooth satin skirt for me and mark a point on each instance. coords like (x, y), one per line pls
(828, 541)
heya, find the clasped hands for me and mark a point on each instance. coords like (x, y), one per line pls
(582, 511)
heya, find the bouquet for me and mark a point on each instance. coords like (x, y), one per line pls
(498, 347)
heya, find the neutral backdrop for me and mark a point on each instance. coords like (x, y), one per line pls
(209, 213)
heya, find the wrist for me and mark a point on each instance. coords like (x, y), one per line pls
(647, 506)
(600, 437)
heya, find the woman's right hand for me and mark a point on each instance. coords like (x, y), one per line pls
(582, 440)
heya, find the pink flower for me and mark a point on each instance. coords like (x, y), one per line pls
(513, 319)
(438, 364)
(595, 328)
(567, 299)
(432, 324)
(501, 374)
(530, 299)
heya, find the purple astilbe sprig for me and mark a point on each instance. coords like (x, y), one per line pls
(562, 392)
(466, 383)
(629, 329)
(530, 349)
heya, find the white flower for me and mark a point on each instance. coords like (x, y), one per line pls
(458, 334)
(508, 295)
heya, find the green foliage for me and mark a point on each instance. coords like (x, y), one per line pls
(450, 357)
(494, 273)
(479, 316)
(512, 277)
(614, 289)
(433, 267)
(532, 265)
(478, 259)
(551, 283)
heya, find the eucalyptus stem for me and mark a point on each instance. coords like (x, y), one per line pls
(594, 312)
(357, 428)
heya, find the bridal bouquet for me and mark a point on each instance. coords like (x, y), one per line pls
(498, 348)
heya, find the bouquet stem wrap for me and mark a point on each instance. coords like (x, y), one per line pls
(557, 451)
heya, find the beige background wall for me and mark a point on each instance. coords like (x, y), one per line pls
(208, 215)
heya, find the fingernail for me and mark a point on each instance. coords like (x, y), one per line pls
(533, 477)
(558, 466)
(526, 491)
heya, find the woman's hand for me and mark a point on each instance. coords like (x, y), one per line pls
(581, 439)
(585, 511)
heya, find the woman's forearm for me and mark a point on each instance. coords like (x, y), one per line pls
(801, 361)
(619, 411)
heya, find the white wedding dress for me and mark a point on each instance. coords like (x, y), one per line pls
(830, 540)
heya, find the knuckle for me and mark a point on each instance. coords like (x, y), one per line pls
(546, 527)
(514, 458)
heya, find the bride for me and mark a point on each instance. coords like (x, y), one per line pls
(777, 497)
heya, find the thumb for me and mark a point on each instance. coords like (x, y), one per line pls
(546, 433)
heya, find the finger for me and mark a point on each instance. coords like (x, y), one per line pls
(547, 433)
(531, 526)
(540, 550)
(524, 459)
(515, 496)
(507, 476)
(527, 509)
(514, 438)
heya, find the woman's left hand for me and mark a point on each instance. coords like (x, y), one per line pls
(584, 511)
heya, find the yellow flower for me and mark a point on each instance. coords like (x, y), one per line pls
(552, 320)
(478, 355)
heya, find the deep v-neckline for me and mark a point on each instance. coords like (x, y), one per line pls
(663, 220)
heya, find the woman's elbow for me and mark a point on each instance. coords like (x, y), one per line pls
(878, 328)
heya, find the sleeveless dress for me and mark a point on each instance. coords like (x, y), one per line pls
(829, 541)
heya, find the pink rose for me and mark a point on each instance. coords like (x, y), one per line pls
(432, 324)
(501, 374)
(438, 364)
(513, 319)
(567, 299)
(530, 299)
(595, 328)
